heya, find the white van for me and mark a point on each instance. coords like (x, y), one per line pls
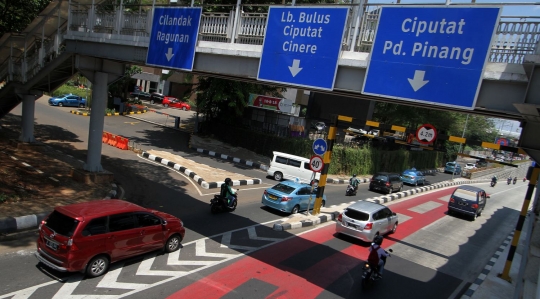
(285, 166)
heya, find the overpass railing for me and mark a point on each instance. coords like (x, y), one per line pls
(515, 36)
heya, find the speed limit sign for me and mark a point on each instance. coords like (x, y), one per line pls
(316, 163)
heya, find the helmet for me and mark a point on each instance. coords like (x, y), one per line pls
(354, 175)
(227, 181)
(378, 240)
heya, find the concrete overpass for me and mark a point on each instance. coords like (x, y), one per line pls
(82, 36)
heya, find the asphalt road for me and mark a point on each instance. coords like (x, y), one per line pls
(157, 187)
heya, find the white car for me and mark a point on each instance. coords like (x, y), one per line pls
(470, 166)
(356, 131)
(374, 132)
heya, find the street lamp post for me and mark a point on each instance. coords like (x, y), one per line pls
(459, 150)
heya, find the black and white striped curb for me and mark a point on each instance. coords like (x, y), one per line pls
(230, 158)
(380, 200)
(339, 181)
(14, 224)
(483, 275)
(195, 177)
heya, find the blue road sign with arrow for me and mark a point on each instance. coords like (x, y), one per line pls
(174, 37)
(319, 146)
(431, 54)
(302, 45)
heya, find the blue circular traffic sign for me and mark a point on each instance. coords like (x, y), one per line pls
(319, 146)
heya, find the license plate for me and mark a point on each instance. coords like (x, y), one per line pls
(352, 225)
(51, 245)
(273, 197)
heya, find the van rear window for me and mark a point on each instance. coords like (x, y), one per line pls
(465, 194)
(357, 215)
(283, 188)
(62, 224)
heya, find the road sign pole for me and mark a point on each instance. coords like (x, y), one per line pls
(519, 226)
(326, 159)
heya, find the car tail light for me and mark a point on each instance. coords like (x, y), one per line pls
(340, 217)
(474, 206)
(387, 184)
(369, 225)
(265, 192)
(41, 224)
(452, 200)
(286, 198)
(413, 177)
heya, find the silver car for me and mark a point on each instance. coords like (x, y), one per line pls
(364, 220)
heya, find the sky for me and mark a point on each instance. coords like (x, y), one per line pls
(508, 10)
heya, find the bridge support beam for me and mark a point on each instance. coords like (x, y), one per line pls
(97, 120)
(28, 108)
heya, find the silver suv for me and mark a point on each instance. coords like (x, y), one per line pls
(364, 220)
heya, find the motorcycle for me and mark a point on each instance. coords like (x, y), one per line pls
(371, 272)
(509, 181)
(220, 204)
(350, 191)
(515, 180)
(493, 183)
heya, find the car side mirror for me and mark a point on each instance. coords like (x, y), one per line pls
(163, 222)
(393, 213)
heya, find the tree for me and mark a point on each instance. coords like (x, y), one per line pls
(120, 87)
(15, 15)
(478, 128)
(225, 99)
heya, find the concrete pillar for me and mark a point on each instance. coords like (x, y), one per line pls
(97, 119)
(28, 108)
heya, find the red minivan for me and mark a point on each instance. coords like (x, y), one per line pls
(88, 236)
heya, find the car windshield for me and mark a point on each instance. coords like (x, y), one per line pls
(62, 224)
(450, 164)
(357, 215)
(283, 188)
(465, 194)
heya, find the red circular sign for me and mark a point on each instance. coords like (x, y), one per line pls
(316, 163)
(426, 134)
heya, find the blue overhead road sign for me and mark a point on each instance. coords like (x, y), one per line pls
(432, 54)
(174, 37)
(302, 45)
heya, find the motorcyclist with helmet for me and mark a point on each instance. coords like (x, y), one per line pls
(227, 193)
(354, 181)
(376, 245)
(494, 179)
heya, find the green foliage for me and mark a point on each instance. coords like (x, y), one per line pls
(110, 111)
(67, 89)
(120, 87)
(226, 99)
(16, 15)
(345, 160)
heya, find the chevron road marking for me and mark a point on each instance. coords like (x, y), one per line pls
(70, 285)
(110, 279)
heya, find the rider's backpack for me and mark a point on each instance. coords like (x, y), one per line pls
(373, 258)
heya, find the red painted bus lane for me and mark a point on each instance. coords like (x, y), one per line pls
(275, 265)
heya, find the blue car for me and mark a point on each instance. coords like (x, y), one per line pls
(413, 177)
(452, 167)
(68, 100)
(290, 197)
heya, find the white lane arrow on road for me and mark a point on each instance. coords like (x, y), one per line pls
(295, 68)
(169, 54)
(418, 81)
